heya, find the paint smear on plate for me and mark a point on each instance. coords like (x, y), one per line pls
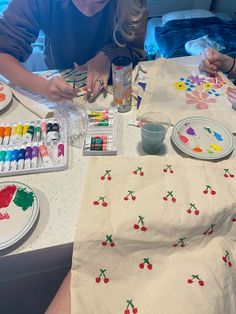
(2, 97)
(190, 131)
(218, 136)
(23, 198)
(6, 195)
(183, 138)
(197, 149)
(210, 151)
(207, 129)
(217, 148)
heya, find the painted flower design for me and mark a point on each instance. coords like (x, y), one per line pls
(200, 99)
(217, 81)
(196, 79)
(180, 85)
(208, 86)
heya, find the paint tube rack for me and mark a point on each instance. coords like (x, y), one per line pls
(43, 149)
(101, 132)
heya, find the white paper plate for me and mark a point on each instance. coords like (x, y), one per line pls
(5, 96)
(203, 138)
(19, 209)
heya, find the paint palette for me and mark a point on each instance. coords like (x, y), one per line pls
(203, 138)
(33, 146)
(5, 96)
(19, 209)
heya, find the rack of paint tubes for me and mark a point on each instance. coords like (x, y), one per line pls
(101, 132)
(33, 147)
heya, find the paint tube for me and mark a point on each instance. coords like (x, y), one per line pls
(35, 154)
(28, 157)
(2, 159)
(19, 132)
(13, 134)
(60, 153)
(29, 134)
(44, 155)
(2, 130)
(53, 134)
(14, 159)
(37, 132)
(7, 162)
(21, 158)
(44, 129)
(7, 134)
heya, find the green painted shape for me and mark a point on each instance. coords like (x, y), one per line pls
(23, 198)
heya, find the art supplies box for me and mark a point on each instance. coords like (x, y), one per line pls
(101, 132)
(33, 146)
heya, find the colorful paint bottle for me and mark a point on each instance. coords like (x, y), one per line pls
(25, 129)
(28, 157)
(29, 134)
(2, 130)
(7, 134)
(2, 159)
(49, 130)
(13, 134)
(44, 155)
(54, 134)
(60, 153)
(35, 154)
(14, 159)
(44, 129)
(7, 162)
(37, 132)
(19, 132)
(21, 158)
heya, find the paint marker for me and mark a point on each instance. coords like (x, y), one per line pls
(29, 134)
(7, 162)
(2, 130)
(2, 159)
(60, 153)
(14, 159)
(28, 157)
(13, 134)
(19, 132)
(37, 132)
(35, 154)
(44, 129)
(21, 158)
(7, 134)
(44, 154)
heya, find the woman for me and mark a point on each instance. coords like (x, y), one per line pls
(213, 61)
(83, 32)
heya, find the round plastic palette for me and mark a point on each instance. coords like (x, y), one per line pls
(203, 138)
(5, 96)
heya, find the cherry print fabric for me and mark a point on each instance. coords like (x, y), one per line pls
(156, 235)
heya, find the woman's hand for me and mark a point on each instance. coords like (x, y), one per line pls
(57, 89)
(231, 93)
(98, 70)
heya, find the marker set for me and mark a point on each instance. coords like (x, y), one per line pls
(101, 132)
(32, 146)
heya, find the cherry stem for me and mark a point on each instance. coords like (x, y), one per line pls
(107, 172)
(169, 193)
(109, 238)
(102, 273)
(101, 198)
(130, 303)
(141, 220)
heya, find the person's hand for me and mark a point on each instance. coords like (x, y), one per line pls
(211, 61)
(57, 89)
(231, 93)
(98, 70)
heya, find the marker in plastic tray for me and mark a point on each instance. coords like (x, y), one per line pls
(44, 154)
(2, 158)
(35, 155)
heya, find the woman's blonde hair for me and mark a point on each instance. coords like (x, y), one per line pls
(127, 19)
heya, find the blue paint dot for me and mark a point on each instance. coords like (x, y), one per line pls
(182, 79)
(188, 80)
(189, 89)
(192, 85)
(209, 93)
(186, 83)
(213, 90)
(217, 94)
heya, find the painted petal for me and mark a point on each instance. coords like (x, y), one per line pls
(202, 105)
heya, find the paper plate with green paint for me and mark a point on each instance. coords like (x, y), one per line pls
(203, 138)
(19, 209)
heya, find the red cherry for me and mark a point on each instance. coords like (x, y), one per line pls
(230, 264)
(197, 212)
(106, 280)
(225, 175)
(182, 245)
(149, 266)
(234, 219)
(127, 311)
(104, 243)
(141, 266)
(144, 228)
(231, 175)
(205, 191)
(104, 204)
(165, 198)
(135, 310)
(126, 198)
(102, 178)
(98, 279)
(133, 198)
(189, 211)
(165, 170)
(201, 282)
(141, 173)
(224, 259)
(95, 203)
(112, 244)
(136, 226)
(173, 199)
(175, 245)
(135, 172)
(213, 192)
(190, 281)
(171, 171)
(109, 178)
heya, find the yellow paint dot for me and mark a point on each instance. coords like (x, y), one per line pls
(180, 85)
(216, 147)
